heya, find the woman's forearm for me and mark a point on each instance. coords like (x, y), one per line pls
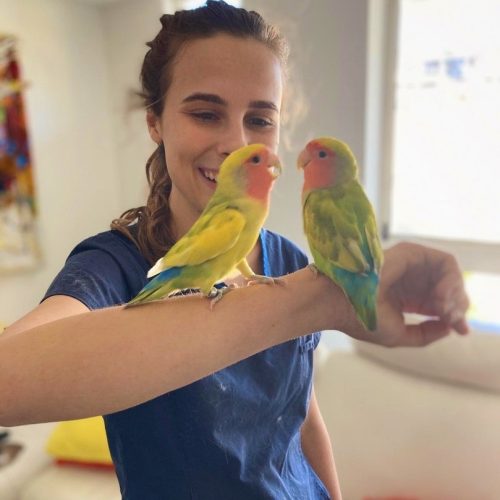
(108, 360)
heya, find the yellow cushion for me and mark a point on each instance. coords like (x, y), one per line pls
(82, 441)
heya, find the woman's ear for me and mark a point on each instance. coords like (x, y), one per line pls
(154, 127)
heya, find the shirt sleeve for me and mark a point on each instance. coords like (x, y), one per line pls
(316, 339)
(94, 278)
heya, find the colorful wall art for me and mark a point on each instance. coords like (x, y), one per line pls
(18, 239)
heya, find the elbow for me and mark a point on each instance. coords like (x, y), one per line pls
(7, 419)
(7, 405)
(10, 415)
(10, 400)
(7, 423)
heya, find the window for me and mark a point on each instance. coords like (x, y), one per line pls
(442, 137)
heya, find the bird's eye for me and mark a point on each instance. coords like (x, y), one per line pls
(322, 154)
(256, 159)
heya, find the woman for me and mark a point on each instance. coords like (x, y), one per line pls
(200, 403)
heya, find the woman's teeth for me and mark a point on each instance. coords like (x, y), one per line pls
(210, 175)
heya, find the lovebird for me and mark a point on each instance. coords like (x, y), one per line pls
(217, 244)
(340, 225)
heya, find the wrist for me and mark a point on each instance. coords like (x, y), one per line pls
(326, 307)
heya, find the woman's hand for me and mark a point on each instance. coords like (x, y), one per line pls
(423, 280)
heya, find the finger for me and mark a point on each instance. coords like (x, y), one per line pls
(447, 293)
(456, 313)
(454, 309)
(461, 327)
(426, 332)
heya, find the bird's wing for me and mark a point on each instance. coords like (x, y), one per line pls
(333, 233)
(367, 224)
(374, 242)
(214, 233)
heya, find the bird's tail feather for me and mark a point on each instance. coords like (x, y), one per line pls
(367, 314)
(362, 293)
(142, 297)
(157, 288)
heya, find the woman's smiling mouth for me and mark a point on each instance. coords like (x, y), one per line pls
(210, 175)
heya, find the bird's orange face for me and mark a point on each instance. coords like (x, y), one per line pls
(318, 162)
(262, 167)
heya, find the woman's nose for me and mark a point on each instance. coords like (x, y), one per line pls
(232, 138)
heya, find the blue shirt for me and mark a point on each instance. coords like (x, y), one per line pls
(233, 435)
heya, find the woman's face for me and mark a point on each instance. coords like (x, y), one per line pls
(225, 93)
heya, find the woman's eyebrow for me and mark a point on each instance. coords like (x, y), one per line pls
(264, 105)
(200, 96)
(215, 99)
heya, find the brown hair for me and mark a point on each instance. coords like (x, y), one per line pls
(152, 234)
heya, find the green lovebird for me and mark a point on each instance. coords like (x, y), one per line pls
(340, 224)
(219, 241)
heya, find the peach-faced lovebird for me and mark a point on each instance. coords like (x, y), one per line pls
(340, 224)
(219, 241)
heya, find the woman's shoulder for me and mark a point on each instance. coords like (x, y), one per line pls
(102, 270)
(111, 242)
(281, 252)
(105, 240)
(110, 249)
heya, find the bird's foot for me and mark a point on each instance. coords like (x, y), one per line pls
(216, 294)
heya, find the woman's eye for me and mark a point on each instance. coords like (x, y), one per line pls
(260, 122)
(205, 116)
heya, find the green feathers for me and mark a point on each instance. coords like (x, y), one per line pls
(340, 224)
(338, 221)
(217, 244)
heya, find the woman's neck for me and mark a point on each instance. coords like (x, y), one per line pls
(181, 221)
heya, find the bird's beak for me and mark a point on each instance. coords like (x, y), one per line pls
(303, 159)
(274, 168)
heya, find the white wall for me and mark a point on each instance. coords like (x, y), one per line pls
(129, 25)
(89, 154)
(60, 49)
(328, 41)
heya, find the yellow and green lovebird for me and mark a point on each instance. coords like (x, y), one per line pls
(219, 241)
(340, 224)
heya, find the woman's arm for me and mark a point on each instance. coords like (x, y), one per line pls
(103, 361)
(317, 448)
(52, 308)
